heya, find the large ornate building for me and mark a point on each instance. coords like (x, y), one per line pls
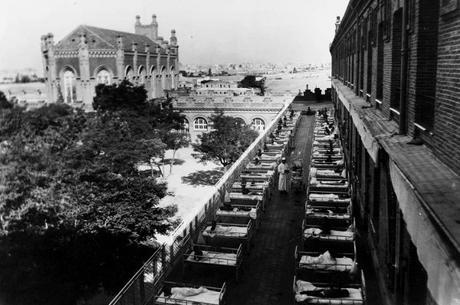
(90, 55)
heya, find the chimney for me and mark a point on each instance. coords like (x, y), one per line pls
(337, 24)
(50, 39)
(138, 20)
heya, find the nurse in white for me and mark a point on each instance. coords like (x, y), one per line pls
(283, 171)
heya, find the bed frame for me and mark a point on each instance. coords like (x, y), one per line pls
(162, 300)
(340, 220)
(322, 275)
(338, 190)
(247, 200)
(335, 301)
(242, 219)
(234, 240)
(331, 203)
(224, 264)
(334, 243)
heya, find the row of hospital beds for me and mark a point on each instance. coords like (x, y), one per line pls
(326, 267)
(223, 242)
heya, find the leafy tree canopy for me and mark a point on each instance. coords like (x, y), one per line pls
(226, 142)
(68, 181)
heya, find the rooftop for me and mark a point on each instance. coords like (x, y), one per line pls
(100, 38)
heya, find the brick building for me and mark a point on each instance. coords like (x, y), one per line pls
(396, 89)
(91, 55)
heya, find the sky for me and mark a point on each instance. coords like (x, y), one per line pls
(208, 31)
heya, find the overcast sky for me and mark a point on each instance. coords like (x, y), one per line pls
(208, 31)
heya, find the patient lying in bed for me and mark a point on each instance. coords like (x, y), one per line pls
(241, 211)
(212, 257)
(306, 291)
(329, 183)
(229, 231)
(172, 295)
(327, 198)
(326, 261)
(330, 234)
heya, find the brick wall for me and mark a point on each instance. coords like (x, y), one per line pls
(446, 137)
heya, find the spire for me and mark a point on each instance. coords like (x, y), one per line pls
(173, 38)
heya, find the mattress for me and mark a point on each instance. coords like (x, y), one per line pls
(226, 231)
(215, 258)
(326, 262)
(317, 233)
(327, 198)
(355, 296)
(325, 213)
(246, 197)
(184, 294)
(252, 213)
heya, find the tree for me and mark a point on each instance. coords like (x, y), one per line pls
(73, 205)
(250, 81)
(226, 142)
(4, 103)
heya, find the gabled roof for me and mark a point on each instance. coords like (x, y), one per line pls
(99, 38)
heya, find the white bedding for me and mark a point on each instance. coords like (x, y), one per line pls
(230, 231)
(355, 296)
(200, 295)
(326, 262)
(327, 198)
(328, 183)
(333, 234)
(252, 213)
(247, 196)
(325, 213)
(216, 258)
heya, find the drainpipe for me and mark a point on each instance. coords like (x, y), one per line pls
(403, 82)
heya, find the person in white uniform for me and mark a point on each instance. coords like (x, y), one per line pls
(283, 171)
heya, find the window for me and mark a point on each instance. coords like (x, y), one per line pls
(142, 75)
(200, 124)
(69, 87)
(258, 124)
(129, 74)
(396, 64)
(379, 93)
(426, 68)
(103, 77)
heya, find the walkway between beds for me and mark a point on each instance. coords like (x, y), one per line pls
(268, 270)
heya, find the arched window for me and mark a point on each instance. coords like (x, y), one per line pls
(129, 74)
(103, 77)
(240, 121)
(69, 87)
(200, 124)
(142, 75)
(258, 124)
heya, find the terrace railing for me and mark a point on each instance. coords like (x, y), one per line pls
(146, 282)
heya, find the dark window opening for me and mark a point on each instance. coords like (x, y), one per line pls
(379, 93)
(369, 66)
(426, 70)
(396, 61)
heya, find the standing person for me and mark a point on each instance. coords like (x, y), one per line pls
(283, 171)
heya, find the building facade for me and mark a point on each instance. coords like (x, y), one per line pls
(256, 111)
(395, 86)
(89, 56)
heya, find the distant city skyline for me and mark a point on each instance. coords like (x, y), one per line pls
(209, 31)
